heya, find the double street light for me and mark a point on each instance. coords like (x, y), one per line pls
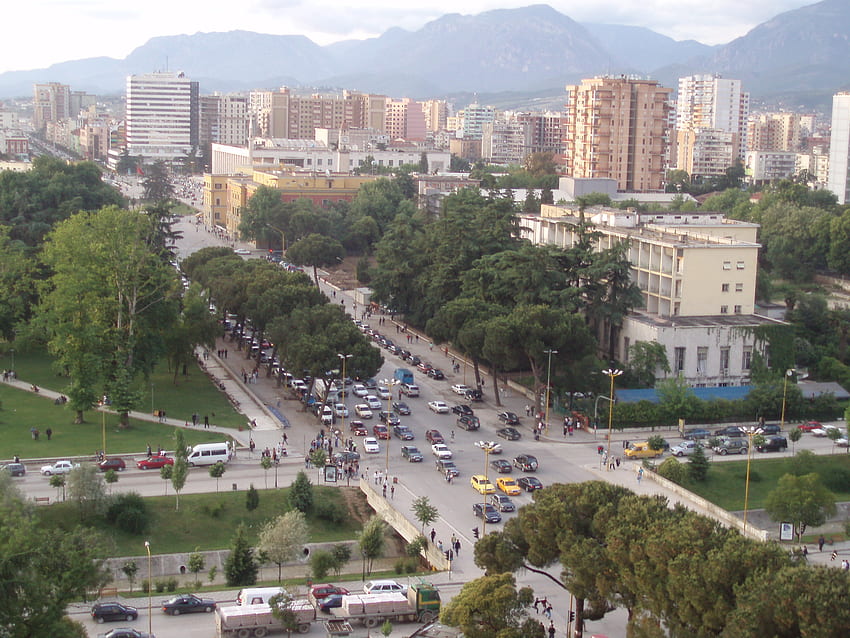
(550, 352)
(612, 374)
(150, 588)
(344, 357)
(788, 374)
(750, 431)
(488, 447)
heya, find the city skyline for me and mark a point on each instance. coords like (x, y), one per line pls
(76, 29)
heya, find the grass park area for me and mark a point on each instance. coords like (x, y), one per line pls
(206, 521)
(22, 410)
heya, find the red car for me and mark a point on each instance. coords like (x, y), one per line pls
(112, 464)
(358, 428)
(808, 426)
(381, 432)
(319, 592)
(434, 436)
(154, 462)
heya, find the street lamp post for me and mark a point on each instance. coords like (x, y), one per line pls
(344, 358)
(788, 374)
(282, 238)
(612, 373)
(550, 352)
(487, 446)
(389, 383)
(750, 431)
(150, 588)
(12, 350)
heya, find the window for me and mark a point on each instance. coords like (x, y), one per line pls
(739, 287)
(747, 359)
(702, 359)
(737, 310)
(740, 265)
(679, 359)
(724, 360)
(724, 310)
(727, 265)
(724, 287)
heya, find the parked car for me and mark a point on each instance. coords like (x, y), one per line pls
(441, 451)
(730, 431)
(808, 426)
(526, 462)
(511, 434)
(773, 443)
(403, 432)
(187, 604)
(447, 466)
(401, 408)
(371, 445)
(389, 418)
(59, 467)
(696, 434)
(358, 428)
(508, 418)
(685, 448)
(468, 422)
(529, 483)
(409, 389)
(641, 450)
(14, 469)
(383, 392)
(363, 411)
(330, 602)
(114, 463)
(440, 407)
(502, 503)
(340, 410)
(373, 402)
(155, 462)
(125, 632)
(508, 485)
(502, 466)
(486, 511)
(462, 409)
(482, 484)
(460, 388)
(726, 445)
(474, 394)
(341, 458)
(436, 374)
(320, 592)
(104, 612)
(359, 390)
(770, 428)
(434, 436)
(411, 453)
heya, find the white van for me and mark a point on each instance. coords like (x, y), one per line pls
(209, 454)
(257, 595)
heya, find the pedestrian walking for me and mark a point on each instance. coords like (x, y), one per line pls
(639, 475)
(536, 603)
(821, 541)
(206, 421)
(392, 491)
(548, 611)
(457, 547)
(49, 433)
(551, 629)
(433, 534)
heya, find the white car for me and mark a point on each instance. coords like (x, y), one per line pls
(373, 401)
(441, 451)
(242, 251)
(60, 467)
(824, 431)
(359, 390)
(460, 388)
(383, 392)
(440, 407)
(363, 411)
(685, 448)
(340, 410)
(371, 445)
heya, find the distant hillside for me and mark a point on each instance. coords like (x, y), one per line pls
(642, 49)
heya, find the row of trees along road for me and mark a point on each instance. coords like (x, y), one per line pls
(676, 572)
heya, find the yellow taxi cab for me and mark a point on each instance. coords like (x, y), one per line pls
(641, 451)
(482, 484)
(508, 486)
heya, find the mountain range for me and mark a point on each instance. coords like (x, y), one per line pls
(798, 57)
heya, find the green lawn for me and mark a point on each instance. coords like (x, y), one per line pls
(207, 521)
(726, 481)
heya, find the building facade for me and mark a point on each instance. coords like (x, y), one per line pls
(616, 127)
(839, 148)
(51, 102)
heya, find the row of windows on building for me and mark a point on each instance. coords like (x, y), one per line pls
(702, 359)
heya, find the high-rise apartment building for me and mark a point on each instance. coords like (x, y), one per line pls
(839, 148)
(51, 103)
(436, 113)
(711, 124)
(405, 119)
(616, 127)
(472, 118)
(162, 116)
(545, 131)
(774, 132)
(224, 119)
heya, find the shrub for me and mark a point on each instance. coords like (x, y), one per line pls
(837, 480)
(159, 586)
(321, 562)
(673, 470)
(128, 512)
(171, 584)
(330, 511)
(301, 493)
(804, 462)
(252, 499)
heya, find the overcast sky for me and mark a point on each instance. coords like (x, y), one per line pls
(38, 33)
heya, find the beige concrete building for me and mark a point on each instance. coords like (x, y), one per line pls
(697, 275)
(775, 132)
(617, 127)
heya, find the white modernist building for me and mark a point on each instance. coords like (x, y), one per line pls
(839, 148)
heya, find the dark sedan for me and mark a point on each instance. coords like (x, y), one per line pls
(102, 612)
(187, 604)
(330, 602)
(502, 466)
(773, 444)
(401, 408)
(436, 373)
(529, 483)
(487, 512)
(511, 434)
(463, 410)
(508, 418)
(526, 462)
(112, 464)
(403, 432)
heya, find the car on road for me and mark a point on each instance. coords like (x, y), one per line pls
(696, 434)
(340, 410)
(389, 418)
(14, 469)
(115, 463)
(726, 445)
(685, 448)
(808, 426)
(731, 431)
(502, 503)
(363, 411)
(155, 462)
(486, 511)
(401, 408)
(824, 430)
(508, 418)
(411, 453)
(447, 466)
(508, 485)
(422, 366)
(436, 374)
(403, 432)
(434, 436)
(373, 402)
(440, 407)
(125, 632)
(468, 422)
(358, 428)
(482, 484)
(106, 612)
(187, 604)
(774, 443)
(526, 462)
(474, 394)
(330, 602)
(241, 251)
(409, 389)
(383, 392)
(320, 592)
(511, 434)
(460, 388)
(441, 451)
(59, 467)
(371, 445)
(462, 409)
(341, 458)
(359, 390)
(529, 483)
(502, 466)
(381, 431)
(642, 450)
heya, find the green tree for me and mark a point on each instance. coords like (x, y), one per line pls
(698, 465)
(301, 493)
(371, 542)
(110, 477)
(321, 563)
(165, 473)
(86, 488)
(240, 566)
(386, 628)
(217, 471)
(645, 359)
(803, 500)
(157, 183)
(341, 554)
(180, 469)
(283, 538)
(266, 463)
(492, 606)
(130, 569)
(677, 400)
(424, 511)
(281, 605)
(265, 218)
(18, 274)
(794, 435)
(316, 250)
(196, 563)
(58, 481)
(252, 499)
